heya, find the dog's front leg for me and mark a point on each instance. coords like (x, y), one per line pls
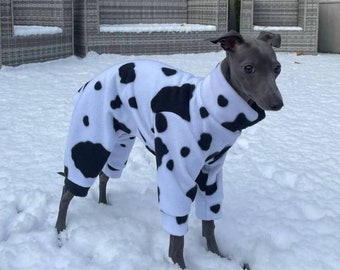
(65, 200)
(176, 248)
(103, 179)
(208, 231)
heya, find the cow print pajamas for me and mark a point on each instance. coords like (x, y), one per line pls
(188, 122)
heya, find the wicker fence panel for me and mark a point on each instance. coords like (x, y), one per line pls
(90, 16)
(203, 12)
(29, 12)
(303, 40)
(17, 50)
(276, 12)
(142, 11)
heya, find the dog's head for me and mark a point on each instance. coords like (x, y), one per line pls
(251, 67)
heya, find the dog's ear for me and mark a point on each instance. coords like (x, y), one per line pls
(229, 41)
(271, 38)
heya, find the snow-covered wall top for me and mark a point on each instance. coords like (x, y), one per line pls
(155, 27)
(29, 30)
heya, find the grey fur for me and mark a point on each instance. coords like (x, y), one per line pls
(251, 68)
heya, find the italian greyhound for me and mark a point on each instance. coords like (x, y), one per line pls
(158, 103)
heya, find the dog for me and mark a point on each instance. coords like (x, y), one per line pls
(188, 123)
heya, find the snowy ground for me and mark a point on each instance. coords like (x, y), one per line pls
(282, 178)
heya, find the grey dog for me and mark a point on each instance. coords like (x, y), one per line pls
(159, 103)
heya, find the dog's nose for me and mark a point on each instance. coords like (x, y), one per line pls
(277, 106)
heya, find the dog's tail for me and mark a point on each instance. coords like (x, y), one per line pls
(61, 173)
(64, 173)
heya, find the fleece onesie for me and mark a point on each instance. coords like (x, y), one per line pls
(187, 122)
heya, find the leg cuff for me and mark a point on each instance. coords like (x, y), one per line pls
(175, 225)
(112, 173)
(75, 189)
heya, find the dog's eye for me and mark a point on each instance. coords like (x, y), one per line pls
(277, 69)
(249, 69)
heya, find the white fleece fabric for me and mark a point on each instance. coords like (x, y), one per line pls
(188, 122)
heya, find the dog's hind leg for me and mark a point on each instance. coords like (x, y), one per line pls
(65, 200)
(176, 248)
(208, 231)
(103, 179)
(115, 163)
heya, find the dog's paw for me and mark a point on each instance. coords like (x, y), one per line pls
(62, 238)
(245, 266)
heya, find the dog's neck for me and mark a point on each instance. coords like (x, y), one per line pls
(225, 67)
(225, 104)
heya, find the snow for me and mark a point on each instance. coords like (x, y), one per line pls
(155, 27)
(281, 183)
(29, 30)
(277, 28)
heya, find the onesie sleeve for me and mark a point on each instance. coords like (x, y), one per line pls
(179, 161)
(209, 196)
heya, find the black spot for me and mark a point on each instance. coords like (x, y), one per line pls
(211, 157)
(112, 168)
(133, 102)
(127, 73)
(185, 151)
(161, 122)
(170, 165)
(169, 71)
(86, 121)
(202, 180)
(241, 121)
(181, 220)
(143, 138)
(83, 87)
(192, 193)
(86, 84)
(203, 112)
(153, 130)
(161, 150)
(174, 99)
(217, 155)
(120, 126)
(158, 194)
(150, 150)
(211, 189)
(122, 145)
(116, 103)
(215, 208)
(98, 86)
(89, 158)
(222, 101)
(205, 141)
